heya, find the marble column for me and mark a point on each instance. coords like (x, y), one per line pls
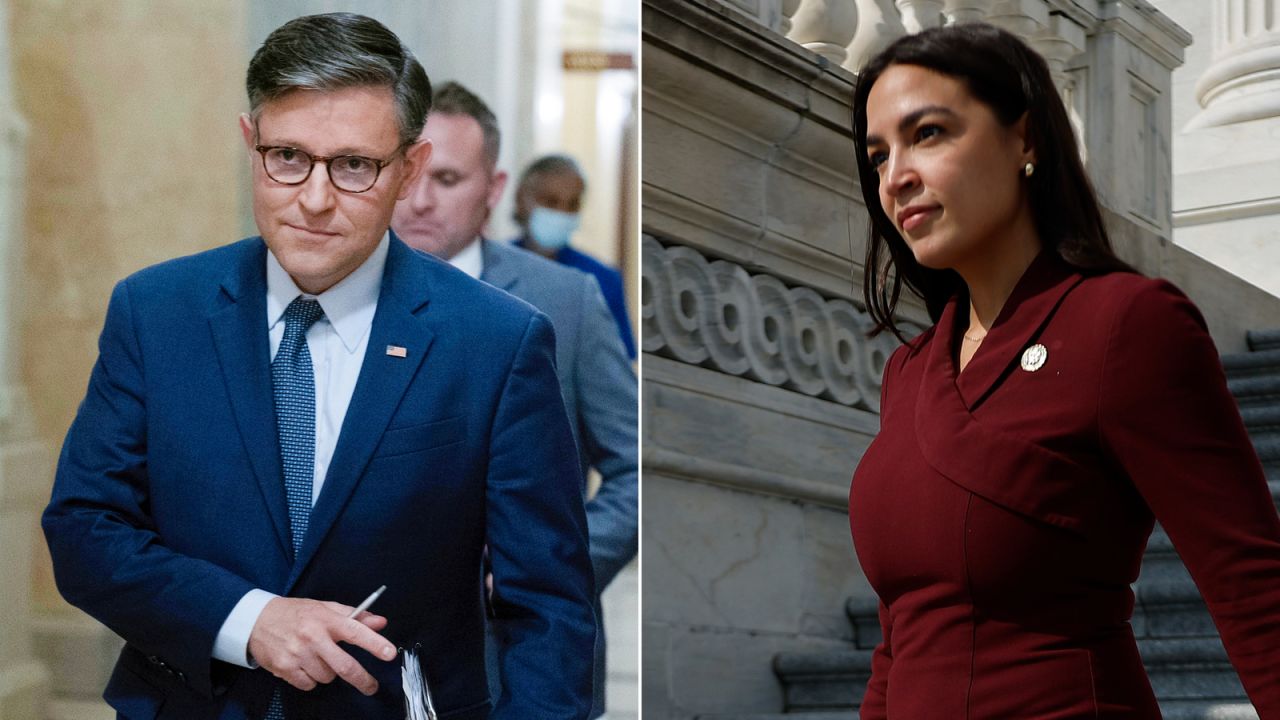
(23, 462)
(1243, 81)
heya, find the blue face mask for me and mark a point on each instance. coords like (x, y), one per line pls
(551, 228)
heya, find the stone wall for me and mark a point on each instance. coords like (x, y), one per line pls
(749, 212)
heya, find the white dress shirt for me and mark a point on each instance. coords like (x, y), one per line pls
(470, 259)
(337, 343)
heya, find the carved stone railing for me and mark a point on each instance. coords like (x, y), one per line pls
(1110, 59)
(849, 32)
(716, 314)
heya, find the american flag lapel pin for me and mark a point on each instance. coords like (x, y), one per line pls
(397, 351)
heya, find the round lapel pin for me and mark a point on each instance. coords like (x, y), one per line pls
(1033, 357)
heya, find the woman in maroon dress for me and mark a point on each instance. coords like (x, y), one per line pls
(1060, 403)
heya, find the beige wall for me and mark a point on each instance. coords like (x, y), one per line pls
(598, 107)
(133, 157)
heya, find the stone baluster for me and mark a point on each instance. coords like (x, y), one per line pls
(959, 11)
(789, 8)
(24, 467)
(878, 25)
(1024, 18)
(1243, 81)
(920, 15)
(826, 27)
(1058, 42)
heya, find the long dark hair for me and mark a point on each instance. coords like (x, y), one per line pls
(1012, 79)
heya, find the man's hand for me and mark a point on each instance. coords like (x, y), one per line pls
(297, 641)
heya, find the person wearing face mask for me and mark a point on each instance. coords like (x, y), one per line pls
(548, 201)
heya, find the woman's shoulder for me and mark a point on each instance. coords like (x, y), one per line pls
(1136, 295)
(1126, 299)
(1121, 288)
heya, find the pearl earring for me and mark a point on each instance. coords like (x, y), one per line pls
(1028, 169)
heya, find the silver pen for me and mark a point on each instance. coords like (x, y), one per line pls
(367, 602)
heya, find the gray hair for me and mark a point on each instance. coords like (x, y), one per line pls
(549, 165)
(454, 99)
(335, 51)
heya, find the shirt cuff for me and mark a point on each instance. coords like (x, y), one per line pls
(232, 643)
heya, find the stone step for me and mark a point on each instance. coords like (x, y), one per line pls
(817, 681)
(863, 614)
(1193, 653)
(1190, 669)
(1267, 445)
(1256, 390)
(1226, 709)
(1262, 340)
(1261, 417)
(1246, 364)
(1172, 620)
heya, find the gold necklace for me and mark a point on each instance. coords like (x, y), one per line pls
(974, 339)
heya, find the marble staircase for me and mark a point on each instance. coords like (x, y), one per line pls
(1185, 659)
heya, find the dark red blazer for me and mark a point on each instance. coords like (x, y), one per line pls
(1001, 514)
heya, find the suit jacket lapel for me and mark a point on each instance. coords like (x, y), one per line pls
(239, 326)
(1038, 293)
(997, 465)
(400, 320)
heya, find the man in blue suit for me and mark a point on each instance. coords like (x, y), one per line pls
(277, 427)
(444, 214)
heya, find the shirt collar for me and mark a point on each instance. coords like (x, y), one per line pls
(348, 306)
(470, 259)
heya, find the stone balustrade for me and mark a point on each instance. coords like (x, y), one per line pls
(1110, 60)
(849, 32)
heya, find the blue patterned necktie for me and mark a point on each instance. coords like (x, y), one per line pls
(293, 382)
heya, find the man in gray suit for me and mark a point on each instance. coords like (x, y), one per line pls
(444, 214)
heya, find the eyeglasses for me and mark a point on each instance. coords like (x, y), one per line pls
(349, 173)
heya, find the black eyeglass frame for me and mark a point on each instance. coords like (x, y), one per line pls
(328, 164)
